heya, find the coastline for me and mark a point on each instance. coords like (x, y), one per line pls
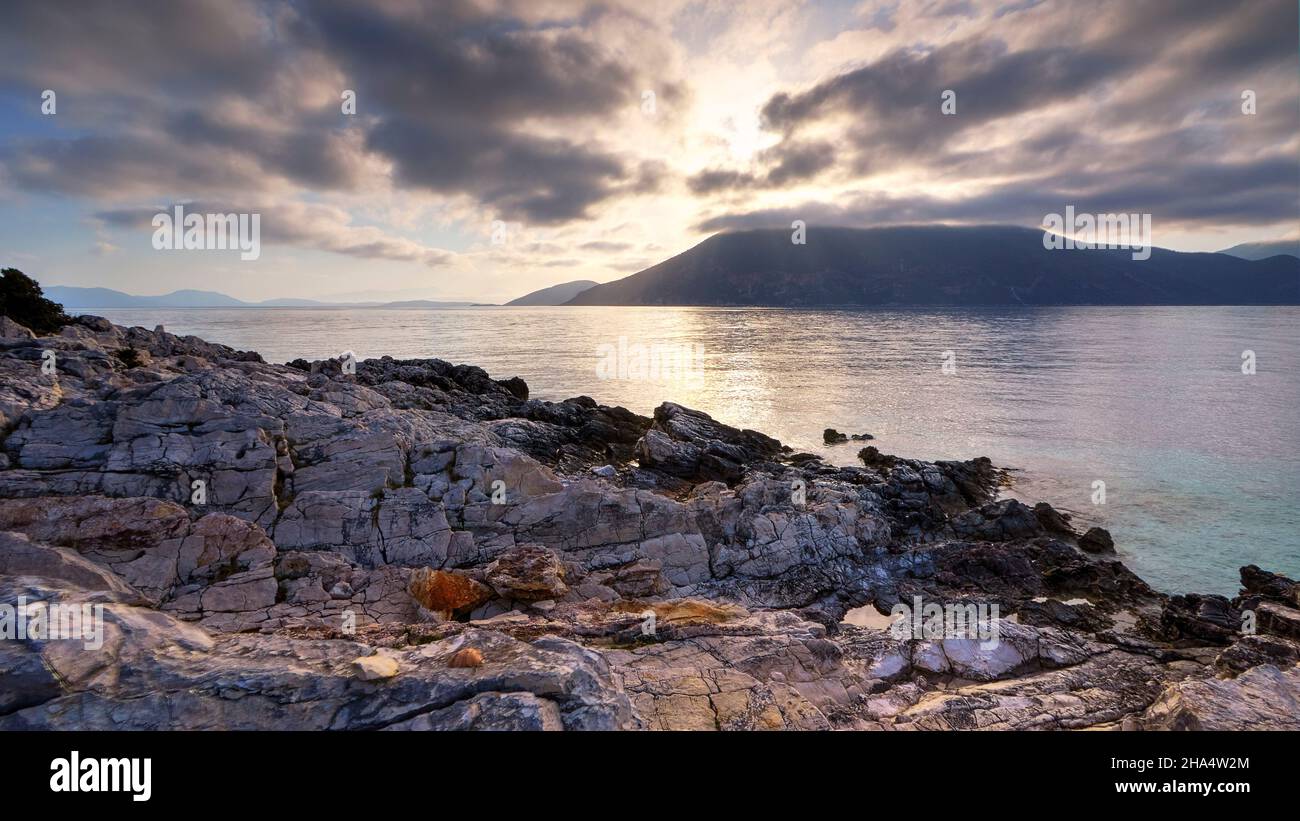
(1067, 396)
(500, 558)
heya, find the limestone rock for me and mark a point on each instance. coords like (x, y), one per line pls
(527, 573)
(13, 330)
(374, 668)
(1262, 698)
(447, 592)
(1277, 620)
(1261, 584)
(593, 568)
(1253, 651)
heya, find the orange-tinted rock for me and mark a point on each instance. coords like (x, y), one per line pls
(445, 592)
(468, 657)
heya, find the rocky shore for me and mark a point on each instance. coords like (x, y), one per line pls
(416, 545)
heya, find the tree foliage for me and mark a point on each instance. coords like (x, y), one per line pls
(22, 300)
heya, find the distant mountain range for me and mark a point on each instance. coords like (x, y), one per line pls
(554, 295)
(909, 265)
(1264, 250)
(76, 298)
(942, 265)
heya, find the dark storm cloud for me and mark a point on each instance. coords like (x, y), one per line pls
(449, 97)
(715, 179)
(512, 106)
(191, 152)
(1245, 193)
(899, 96)
(893, 106)
(799, 161)
(518, 176)
(150, 86)
(459, 102)
(787, 163)
(313, 154)
(992, 83)
(1123, 107)
(483, 69)
(952, 8)
(193, 47)
(111, 166)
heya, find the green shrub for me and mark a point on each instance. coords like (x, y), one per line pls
(22, 301)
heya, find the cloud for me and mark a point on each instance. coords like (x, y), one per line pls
(1246, 193)
(786, 163)
(477, 106)
(489, 102)
(516, 177)
(126, 166)
(316, 226)
(1133, 107)
(605, 246)
(528, 112)
(193, 48)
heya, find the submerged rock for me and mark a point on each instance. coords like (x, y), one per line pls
(1097, 540)
(831, 436)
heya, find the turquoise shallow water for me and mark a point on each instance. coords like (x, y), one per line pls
(1201, 462)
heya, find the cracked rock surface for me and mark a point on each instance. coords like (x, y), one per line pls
(417, 545)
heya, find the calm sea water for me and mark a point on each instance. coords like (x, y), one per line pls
(1201, 462)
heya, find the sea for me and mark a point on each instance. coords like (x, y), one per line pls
(1176, 428)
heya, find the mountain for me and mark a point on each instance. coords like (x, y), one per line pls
(1264, 250)
(941, 265)
(76, 298)
(73, 297)
(554, 295)
(422, 303)
(290, 302)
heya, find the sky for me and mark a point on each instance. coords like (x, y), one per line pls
(500, 146)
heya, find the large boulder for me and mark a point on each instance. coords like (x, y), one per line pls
(1258, 584)
(1262, 698)
(446, 592)
(998, 521)
(1199, 618)
(691, 445)
(12, 330)
(527, 573)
